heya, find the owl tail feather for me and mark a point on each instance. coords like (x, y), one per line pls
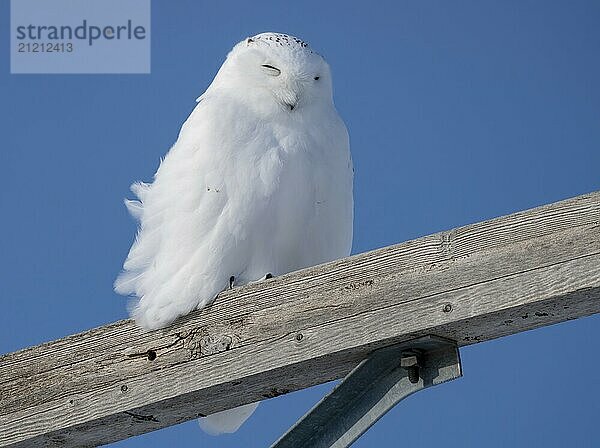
(227, 421)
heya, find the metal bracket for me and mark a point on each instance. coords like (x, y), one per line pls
(371, 389)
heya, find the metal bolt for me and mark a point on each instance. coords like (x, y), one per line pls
(413, 374)
(299, 337)
(410, 362)
(123, 388)
(447, 308)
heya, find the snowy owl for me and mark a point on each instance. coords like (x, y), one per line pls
(258, 183)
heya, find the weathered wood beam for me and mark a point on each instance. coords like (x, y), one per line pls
(470, 284)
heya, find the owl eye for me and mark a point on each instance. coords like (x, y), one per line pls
(270, 70)
(316, 78)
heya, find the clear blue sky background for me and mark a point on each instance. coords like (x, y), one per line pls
(457, 111)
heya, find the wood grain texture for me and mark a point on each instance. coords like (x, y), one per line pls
(470, 284)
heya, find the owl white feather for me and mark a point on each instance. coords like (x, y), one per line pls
(259, 182)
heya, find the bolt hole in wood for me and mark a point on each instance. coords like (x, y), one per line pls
(123, 388)
(448, 308)
(151, 355)
(299, 337)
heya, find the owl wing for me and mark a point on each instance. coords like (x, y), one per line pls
(195, 217)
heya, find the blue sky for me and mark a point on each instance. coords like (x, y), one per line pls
(457, 112)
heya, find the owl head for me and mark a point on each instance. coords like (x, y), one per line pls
(276, 72)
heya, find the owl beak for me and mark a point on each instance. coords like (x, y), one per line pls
(292, 95)
(292, 101)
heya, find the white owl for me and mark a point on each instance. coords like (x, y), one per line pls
(258, 183)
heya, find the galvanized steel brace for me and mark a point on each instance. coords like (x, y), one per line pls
(371, 389)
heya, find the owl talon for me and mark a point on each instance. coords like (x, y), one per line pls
(231, 280)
